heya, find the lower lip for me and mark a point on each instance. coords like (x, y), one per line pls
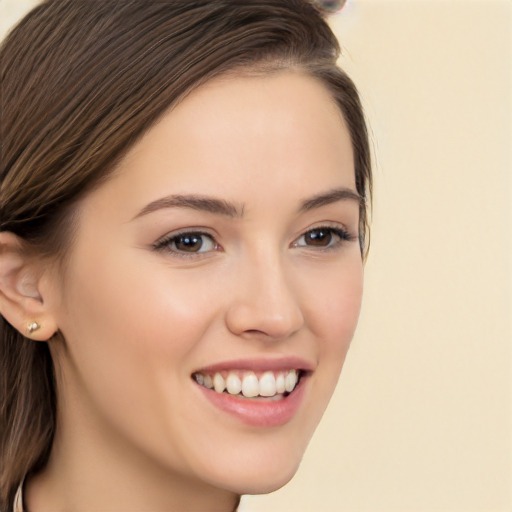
(259, 413)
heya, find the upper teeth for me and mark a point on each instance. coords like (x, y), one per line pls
(268, 384)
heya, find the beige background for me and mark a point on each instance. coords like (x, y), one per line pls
(422, 419)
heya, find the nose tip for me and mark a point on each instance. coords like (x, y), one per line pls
(268, 308)
(250, 320)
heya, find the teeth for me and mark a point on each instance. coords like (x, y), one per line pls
(250, 385)
(291, 381)
(208, 382)
(269, 384)
(218, 383)
(280, 383)
(233, 384)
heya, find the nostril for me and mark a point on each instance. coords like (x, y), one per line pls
(266, 308)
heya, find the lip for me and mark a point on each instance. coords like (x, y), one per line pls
(260, 365)
(261, 413)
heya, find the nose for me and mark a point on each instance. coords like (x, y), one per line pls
(264, 303)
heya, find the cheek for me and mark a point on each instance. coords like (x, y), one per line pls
(334, 311)
(341, 314)
(130, 328)
(131, 325)
(333, 302)
(140, 306)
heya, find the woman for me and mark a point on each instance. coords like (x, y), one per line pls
(183, 225)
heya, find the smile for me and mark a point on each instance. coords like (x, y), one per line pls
(249, 384)
(260, 393)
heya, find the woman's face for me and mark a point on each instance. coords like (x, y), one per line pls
(225, 243)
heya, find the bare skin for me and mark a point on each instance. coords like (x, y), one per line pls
(273, 272)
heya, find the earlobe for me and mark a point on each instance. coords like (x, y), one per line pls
(21, 302)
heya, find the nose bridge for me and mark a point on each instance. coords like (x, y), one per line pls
(264, 301)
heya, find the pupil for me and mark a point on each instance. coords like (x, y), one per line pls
(318, 237)
(190, 243)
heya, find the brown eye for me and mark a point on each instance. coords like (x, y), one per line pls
(319, 237)
(323, 238)
(191, 243)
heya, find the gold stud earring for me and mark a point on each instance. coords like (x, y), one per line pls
(32, 327)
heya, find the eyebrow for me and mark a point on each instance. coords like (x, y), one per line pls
(194, 202)
(226, 208)
(332, 196)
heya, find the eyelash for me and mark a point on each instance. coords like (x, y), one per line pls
(165, 244)
(342, 234)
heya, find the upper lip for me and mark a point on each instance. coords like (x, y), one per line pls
(259, 365)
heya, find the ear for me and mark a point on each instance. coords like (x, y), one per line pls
(23, 285)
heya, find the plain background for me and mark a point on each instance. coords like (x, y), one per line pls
(422, 418)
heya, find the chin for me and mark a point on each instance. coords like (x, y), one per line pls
(261, 482)
(258, 475)
(267, 486)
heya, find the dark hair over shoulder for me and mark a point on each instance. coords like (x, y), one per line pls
(81, 81)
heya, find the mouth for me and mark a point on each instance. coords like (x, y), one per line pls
(260, 393)
(267, 385)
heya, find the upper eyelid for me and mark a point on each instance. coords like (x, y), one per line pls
(341, 232)
(334, 225)
(209, 232)
(169, 237)
(188, 231)
(192, 229)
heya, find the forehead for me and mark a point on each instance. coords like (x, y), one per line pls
(278, 132)
(279, 115)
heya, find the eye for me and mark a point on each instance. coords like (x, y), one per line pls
(187, 243)
(323, 238)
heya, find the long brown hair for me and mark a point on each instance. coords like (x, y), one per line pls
(81, 81)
